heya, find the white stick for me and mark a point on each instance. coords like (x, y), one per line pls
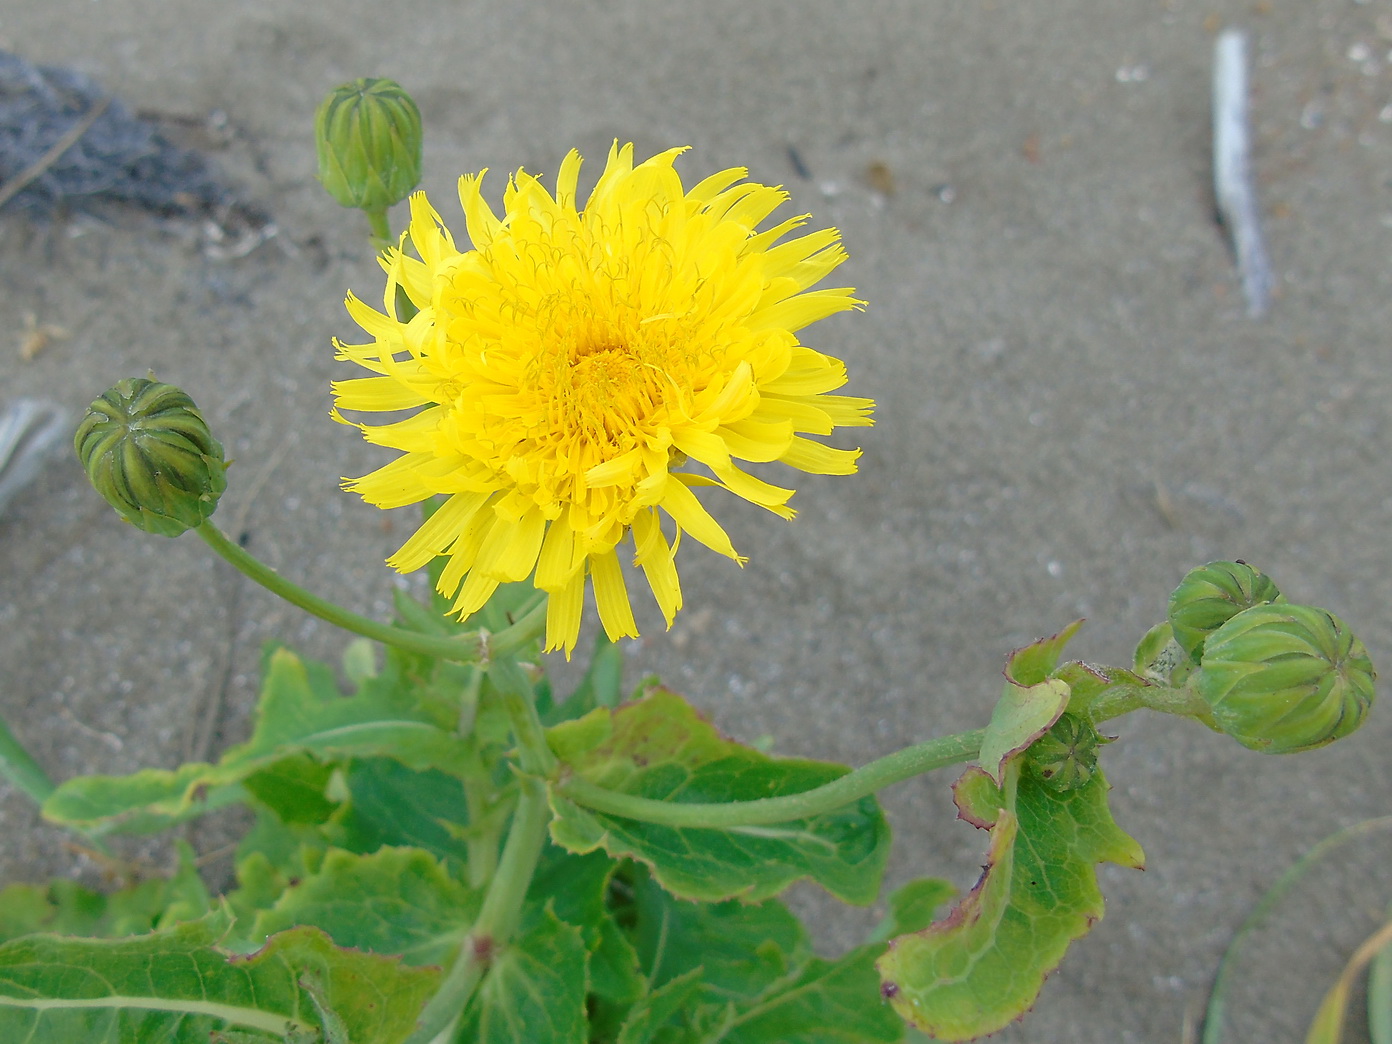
(30, 433)
(1232, 169)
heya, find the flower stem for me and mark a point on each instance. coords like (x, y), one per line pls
(878, 774)
(381, 230)
(1123, 699)
(469, 647)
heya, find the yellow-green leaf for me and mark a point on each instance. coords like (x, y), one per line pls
(178, 986)
(982, 967)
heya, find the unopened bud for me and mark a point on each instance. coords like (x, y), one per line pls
(148, 451)
(1211, 595)
(368, 138)
(1285, 678)
(1065, 757)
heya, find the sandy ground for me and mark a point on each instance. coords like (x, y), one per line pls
(1074, 407)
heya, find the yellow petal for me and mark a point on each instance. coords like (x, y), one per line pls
(790, 256)
(757, 491)
(762, 241)
(566, 179)
(688, 513)
(707, 448)
(557, 565)
(479, 218)
(709, 188)
(377, 394)
(757, 441)
(380, 326)
(563, 610)
(392, 485)
(477, 589)
(437, 532)
(847, 411)
(794, 313)
(817, 459)
(464, 551)
(655, 558)
(808, 373)
(611, 597)
(510, 553)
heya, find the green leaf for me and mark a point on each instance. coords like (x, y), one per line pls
(913, 907)
(740, 949)
(826, 1002)
(178, 986)
(1035, 662)
(67, 908)
(391, 804)
(396, 901)
(1023, 714)
(1031, 702)
(295, 789)
(534, 990)
(335, 1029)
(657, 1009)
(270, 856)
(660, 748)
(745, 974)
(576, 888)
(301, 711)
(983, 966)
(600, 686)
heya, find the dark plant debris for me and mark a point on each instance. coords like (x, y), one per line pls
(66, 145)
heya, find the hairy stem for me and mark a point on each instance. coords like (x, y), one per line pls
(866, 780)
(501, 913)
(534, 754)
(1123, 699)
(497, 920)
(465, 648)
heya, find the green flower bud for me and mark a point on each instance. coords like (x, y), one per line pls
(1065, 757)
(1285, 678)
(148, 451)
(368, 138)
(1211, 595)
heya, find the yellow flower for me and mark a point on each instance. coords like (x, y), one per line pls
(573, 364)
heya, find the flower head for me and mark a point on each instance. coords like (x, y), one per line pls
(574, 368)
(1285, 678)
(368, 141)
(147, 449)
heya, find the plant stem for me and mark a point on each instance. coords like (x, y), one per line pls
(464, 648)
(1123, 699)
(497, 920)
(534, 754)
(892, 768)
(502, 903)
(381, 230)
(19, 767)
